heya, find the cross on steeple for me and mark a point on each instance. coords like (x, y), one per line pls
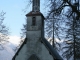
(36, 5)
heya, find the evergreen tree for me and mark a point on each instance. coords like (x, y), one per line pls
(71, 30)
(3, 30)
(63, 22)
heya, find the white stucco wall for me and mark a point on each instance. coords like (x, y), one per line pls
(45, 53)
(22, 54)
(33, 44)
(38, 48)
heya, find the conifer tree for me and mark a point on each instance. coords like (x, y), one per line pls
(72, 20)
(3, 31)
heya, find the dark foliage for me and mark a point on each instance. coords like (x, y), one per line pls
(66, 24)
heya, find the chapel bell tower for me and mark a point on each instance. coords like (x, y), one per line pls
(35, 31)
(35, 46)
(36, 5)
(35, 19)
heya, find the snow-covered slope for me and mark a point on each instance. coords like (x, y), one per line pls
(12, 46)
(7, 53)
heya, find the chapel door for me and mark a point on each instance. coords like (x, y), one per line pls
(33, 57)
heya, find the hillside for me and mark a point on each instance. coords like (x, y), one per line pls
(7, 53)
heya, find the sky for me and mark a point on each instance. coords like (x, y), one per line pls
(15, 15)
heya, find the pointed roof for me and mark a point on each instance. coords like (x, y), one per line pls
(19, 49)
(37, 13)
(52, 51)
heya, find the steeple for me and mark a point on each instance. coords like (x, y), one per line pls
(35, 46)
(36, 5)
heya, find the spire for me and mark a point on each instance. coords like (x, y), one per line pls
(36, 5)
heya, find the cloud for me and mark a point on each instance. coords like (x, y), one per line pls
(14, 39)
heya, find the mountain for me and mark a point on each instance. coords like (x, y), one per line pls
(8, 52)
(12, 46)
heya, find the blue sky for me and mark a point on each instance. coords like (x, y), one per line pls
(15, 16)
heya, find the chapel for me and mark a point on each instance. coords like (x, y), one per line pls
(35, 46)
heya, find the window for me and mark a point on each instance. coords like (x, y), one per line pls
(33, 21)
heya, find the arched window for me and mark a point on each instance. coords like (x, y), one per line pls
(33, 21)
